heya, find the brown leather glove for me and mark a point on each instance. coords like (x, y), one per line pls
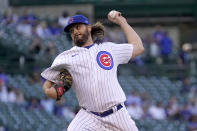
(64, 83)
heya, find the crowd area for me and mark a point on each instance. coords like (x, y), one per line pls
(30, 25)
(12, 94)
(139, 106)
(159, 45)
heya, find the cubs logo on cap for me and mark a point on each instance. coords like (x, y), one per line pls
(70, 21)
(105, 60)
(74, 20)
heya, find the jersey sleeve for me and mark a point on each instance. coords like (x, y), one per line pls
(122, 52)
(52, 72)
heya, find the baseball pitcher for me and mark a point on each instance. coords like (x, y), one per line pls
(90, 68)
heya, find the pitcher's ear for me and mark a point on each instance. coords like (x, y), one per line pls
(89, 28)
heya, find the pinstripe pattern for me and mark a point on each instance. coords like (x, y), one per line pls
(94, 73)
(118, 121)
(85, 121)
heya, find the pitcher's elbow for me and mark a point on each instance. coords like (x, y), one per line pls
(142, 50)
(141, 47)
(46, 92)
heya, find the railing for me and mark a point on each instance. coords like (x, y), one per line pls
(52, 2)
(172, 71)
(130, 8)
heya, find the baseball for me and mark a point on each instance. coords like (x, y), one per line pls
(112, 13)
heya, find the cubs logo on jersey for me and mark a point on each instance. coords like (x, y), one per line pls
(105, 60)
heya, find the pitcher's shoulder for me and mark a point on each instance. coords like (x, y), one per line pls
(66, 52)
(107, 43)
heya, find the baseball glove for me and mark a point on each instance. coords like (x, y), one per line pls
(64, 83)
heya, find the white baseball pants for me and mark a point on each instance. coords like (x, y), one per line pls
(117, 121)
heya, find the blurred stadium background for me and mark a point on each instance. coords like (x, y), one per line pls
(161, 85)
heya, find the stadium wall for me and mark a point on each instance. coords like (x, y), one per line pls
(56, 10)
(3, 5)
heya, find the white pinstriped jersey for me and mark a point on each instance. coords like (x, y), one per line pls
(94, 73)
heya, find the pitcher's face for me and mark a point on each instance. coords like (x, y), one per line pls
(79, 34)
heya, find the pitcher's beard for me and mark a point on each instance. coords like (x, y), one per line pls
(81, 41)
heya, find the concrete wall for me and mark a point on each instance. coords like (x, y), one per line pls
(56, 10)
(3, 5)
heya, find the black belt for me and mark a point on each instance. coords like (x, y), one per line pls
(108, 112)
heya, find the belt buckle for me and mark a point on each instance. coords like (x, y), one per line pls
(99, 113)
(114, 108)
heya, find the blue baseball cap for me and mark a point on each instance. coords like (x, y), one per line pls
(74, 20)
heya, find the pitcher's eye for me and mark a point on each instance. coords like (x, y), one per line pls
(71, 30)
(78, 26)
